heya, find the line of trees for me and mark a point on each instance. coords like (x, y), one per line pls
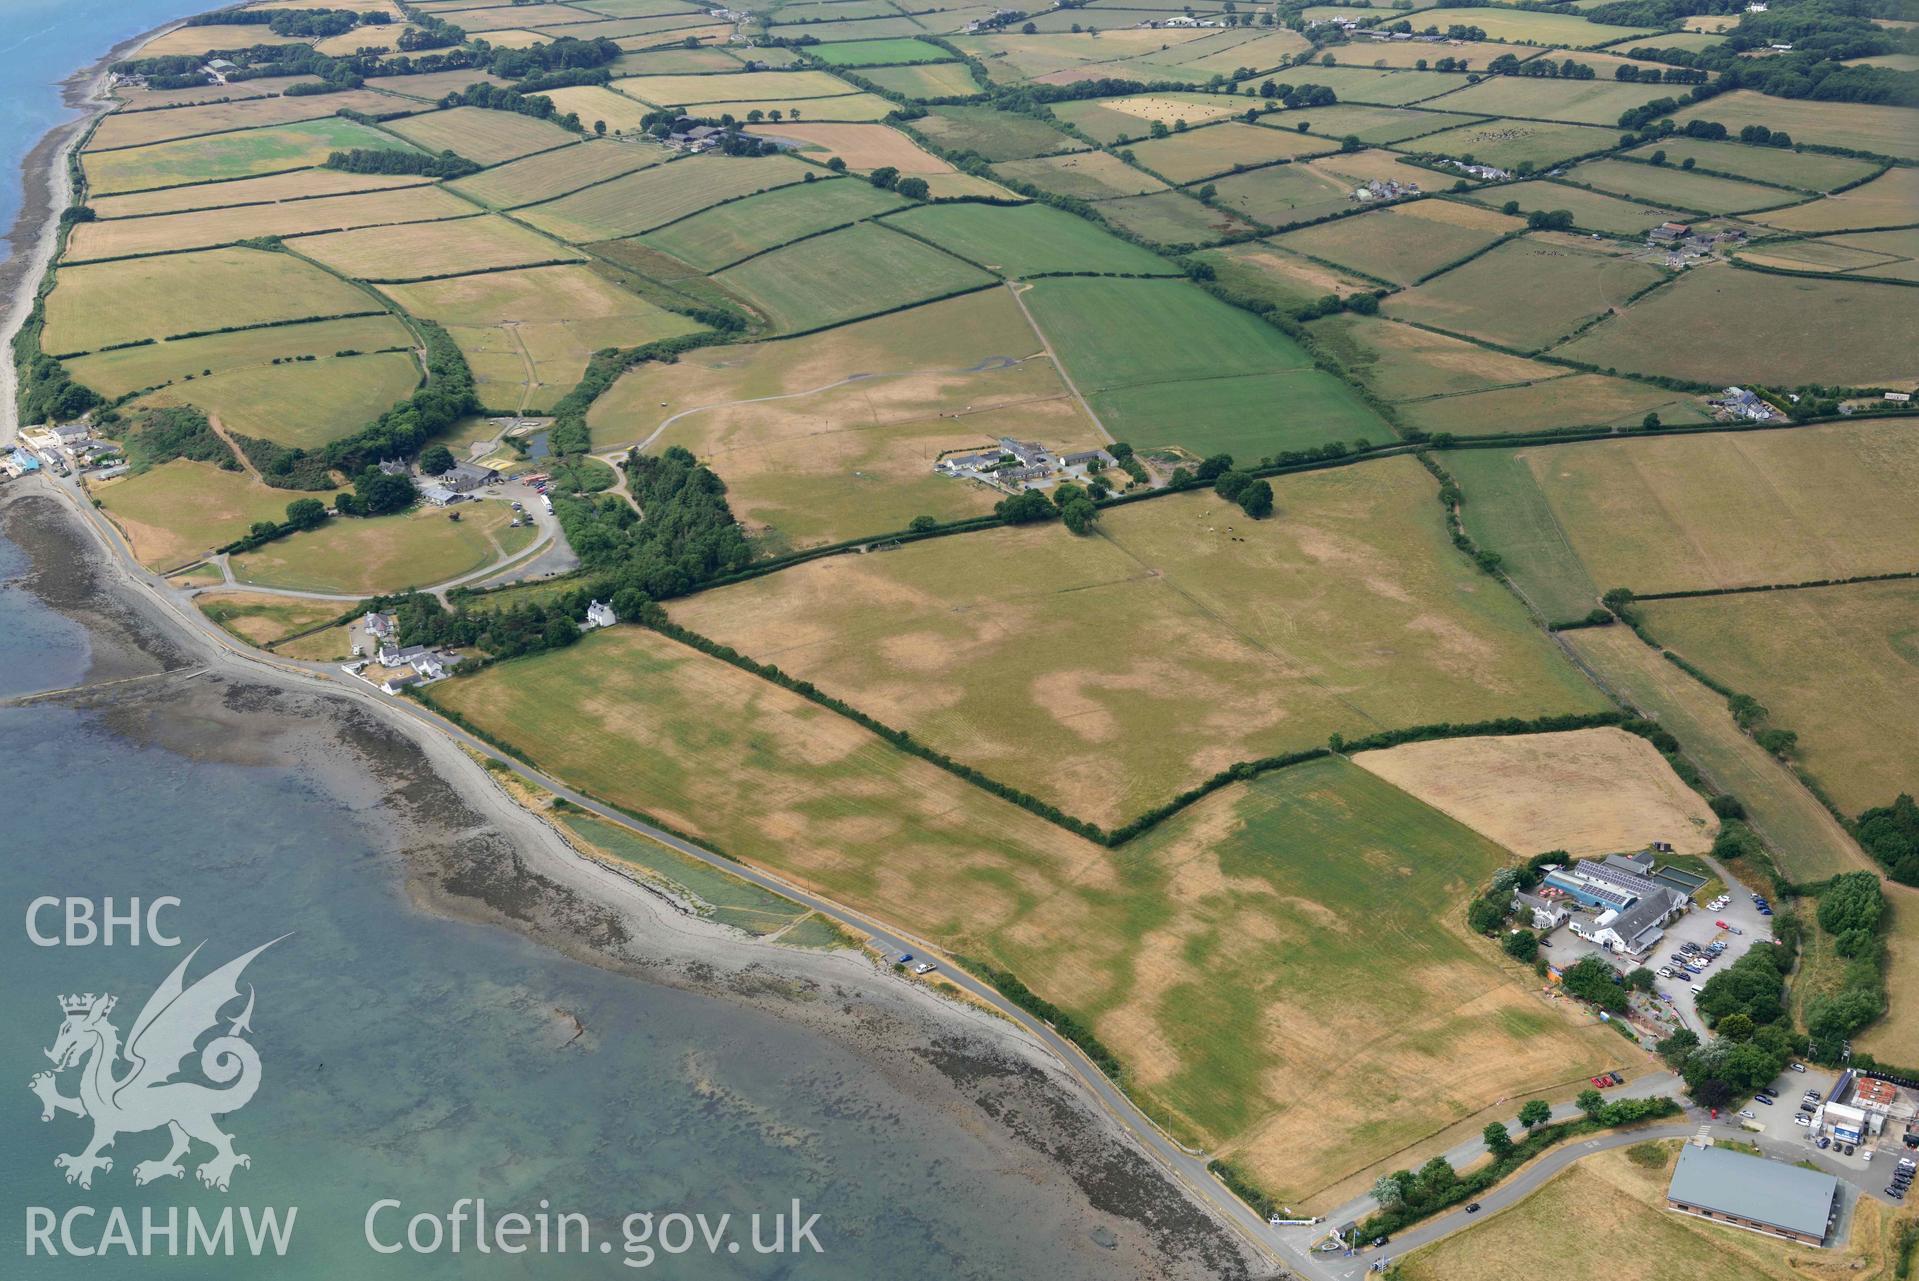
(394, 160)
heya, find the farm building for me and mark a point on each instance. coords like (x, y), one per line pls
(1753, 1193)
(464, 478)
(1631, 907)
(600, 614)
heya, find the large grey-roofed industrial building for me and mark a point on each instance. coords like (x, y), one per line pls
(1752, 1192)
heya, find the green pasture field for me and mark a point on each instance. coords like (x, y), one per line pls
(926, 80)
(1284, 195)
(303, 405)
(847, 274)
(1590, 210)
(243, 154)
(1402, 244)
(1676, 513)
(1070, 667)
(177, 512)
(855, 29)
(118, 373)
(721, 896)
(360, 556)
(676, 60)
(488, 137)
(1249, 416)
(685, 91)
(1746, 325)
(1838, 665)
(1219, 149)
(1087, 175)
(548, 174)
(652, 198)
(1806, 170)
(1564, 285)
(725, 234)
(1257, 270)
(1586, 102)
(1404, 53)
(1859, 126)
(878, 53)
(1028, 240)
(1671, 185)
(1507, 144)
(1283, 874)
(1173, 218)
(1507, 511)
(1376, 126)
(100, 304)
(995, 135)
(1116, 50)
(1579, 400)
(1165, 363)
(549, 318)
(1691, 41)
(812, 454)
(417, 251)
(202, 228)
(139, 128)
(1519, 26)
(1886, 201)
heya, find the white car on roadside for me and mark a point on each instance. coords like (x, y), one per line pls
(1802, 1119)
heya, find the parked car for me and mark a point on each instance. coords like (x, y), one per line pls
(1866, 1155)
(1765, 1099)
(1824, 1143)
(1720, 924)
(1765, 911)
(1735, 929)
(924, 967)
(1802, 1119)
(1849, 1149)
(1664, 971)
(1896, 1192)
(1797, 1067)
(1749, 1114)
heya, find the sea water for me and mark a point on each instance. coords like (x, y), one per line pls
(412, 1059)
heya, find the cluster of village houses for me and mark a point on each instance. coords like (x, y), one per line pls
(63, 448)
(393, 667)
(1024, 464)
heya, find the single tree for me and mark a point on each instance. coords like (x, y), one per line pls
(305, 513)
(436, 460)
(1498, 1141)
(1535, 1112)
(1256, 500)
(1591, 1102)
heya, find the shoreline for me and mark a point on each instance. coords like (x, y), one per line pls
(470, 851)
(45, 194)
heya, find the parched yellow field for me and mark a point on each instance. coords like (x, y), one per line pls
(546, 322)
(181, 510)
(192, 40)
(686, 91)
(487, 137)
(1736, 509)
(360, 556)
(862, 146)
(1107, 673)
(1886, 201)
(1895, 1038)
(136, 128)
(419, 251)
(98, 305)
(1280, 877)
(1886, 131)
(1607, 1215)
(261, 619)
(554, 173)
(116, 373)
(809, 457)
(595, 105)
(1588, 792)
(1839, 665)
(195, 229)
(298, 185)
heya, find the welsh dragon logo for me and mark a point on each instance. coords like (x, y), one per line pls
(144, 1095)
